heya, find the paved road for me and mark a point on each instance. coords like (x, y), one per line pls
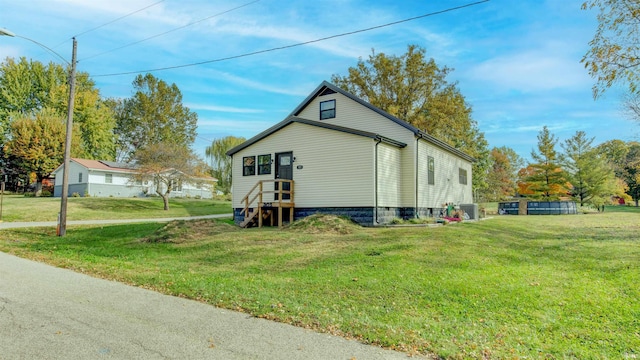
(13, 225)
(53, 313)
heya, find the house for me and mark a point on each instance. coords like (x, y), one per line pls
(111, 179)
(337, 154)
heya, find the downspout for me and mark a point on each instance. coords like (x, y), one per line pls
(377, 221)
(417, 214)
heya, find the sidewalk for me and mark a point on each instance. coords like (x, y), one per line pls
(14, 225)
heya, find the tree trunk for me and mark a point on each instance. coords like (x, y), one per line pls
(165, 200)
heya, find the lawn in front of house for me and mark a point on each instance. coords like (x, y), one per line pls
(508, 287)
(18, 208)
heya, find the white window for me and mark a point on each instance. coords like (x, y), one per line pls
(108, 178)
(79, 177)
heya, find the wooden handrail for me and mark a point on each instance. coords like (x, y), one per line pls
(249, 199)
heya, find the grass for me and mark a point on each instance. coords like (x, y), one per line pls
(17, 208)
(510, 287)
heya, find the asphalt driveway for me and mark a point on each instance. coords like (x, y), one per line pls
(53, 313)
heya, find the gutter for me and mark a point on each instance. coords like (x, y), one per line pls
(377, 221)
(417, 215)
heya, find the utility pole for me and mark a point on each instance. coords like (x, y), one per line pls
(62, 221)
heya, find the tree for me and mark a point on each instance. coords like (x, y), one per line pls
(631, 171)
(548, 178)
(592, 180)
(155, 114)
(168, 165)
(27, 87)
(220, 161)
(414, 89)
(37, 144)
(614, 53)
(503, 173)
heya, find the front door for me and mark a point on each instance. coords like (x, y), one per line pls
(284, 170)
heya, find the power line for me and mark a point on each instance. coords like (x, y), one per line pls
(295, 45)
(170, 31)
(111, 22)
(120, 18)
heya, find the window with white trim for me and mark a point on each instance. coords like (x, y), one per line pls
(108, 178)
(462, 176)
(431, 173)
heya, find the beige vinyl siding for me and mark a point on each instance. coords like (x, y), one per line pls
(353, 115)
(447, 188)
(389, 175)
(337, 167)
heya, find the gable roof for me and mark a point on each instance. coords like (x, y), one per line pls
(293, 119)
(327, 86)
(101, 165)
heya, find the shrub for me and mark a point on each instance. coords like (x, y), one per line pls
(75, 194)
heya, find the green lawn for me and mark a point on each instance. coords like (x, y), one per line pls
(556, 287)
(17, 208)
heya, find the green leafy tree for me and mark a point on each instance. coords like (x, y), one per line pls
(168, 165)
(503, 174)
(631, 172)
(592, 179)
(220, 161)
(614, 53)
(36, 143)
(547, 179)
(27, 87)
(154, 114)
(414, 88)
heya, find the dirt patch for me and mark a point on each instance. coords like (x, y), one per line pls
(325, 224)
(177, 232)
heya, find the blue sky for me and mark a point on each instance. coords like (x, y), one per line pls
(516, 62)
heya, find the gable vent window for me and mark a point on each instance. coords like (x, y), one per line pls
(327, 109)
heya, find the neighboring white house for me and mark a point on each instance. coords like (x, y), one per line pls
(347, 157)
(110, 179)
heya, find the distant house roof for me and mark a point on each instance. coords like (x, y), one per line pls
(325, 88)
(119, 167)
(105, 165)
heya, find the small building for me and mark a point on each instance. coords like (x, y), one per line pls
(337, 154)
(100, 178)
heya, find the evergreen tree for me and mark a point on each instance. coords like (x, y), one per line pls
(592, 180)
(547, 180)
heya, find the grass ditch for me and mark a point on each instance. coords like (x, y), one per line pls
(510, 287)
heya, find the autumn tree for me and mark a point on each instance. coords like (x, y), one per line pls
(27, 87)
(548, 179)
(154, 114)
(592, 179)
(415, 89)
(168, 165)
(36, 143)
(220, 161)
(503, 174)
(614, 53)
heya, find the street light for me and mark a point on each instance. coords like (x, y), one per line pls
(62, 221)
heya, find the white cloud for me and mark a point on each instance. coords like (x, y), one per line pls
(531, 71)
(229, 109)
